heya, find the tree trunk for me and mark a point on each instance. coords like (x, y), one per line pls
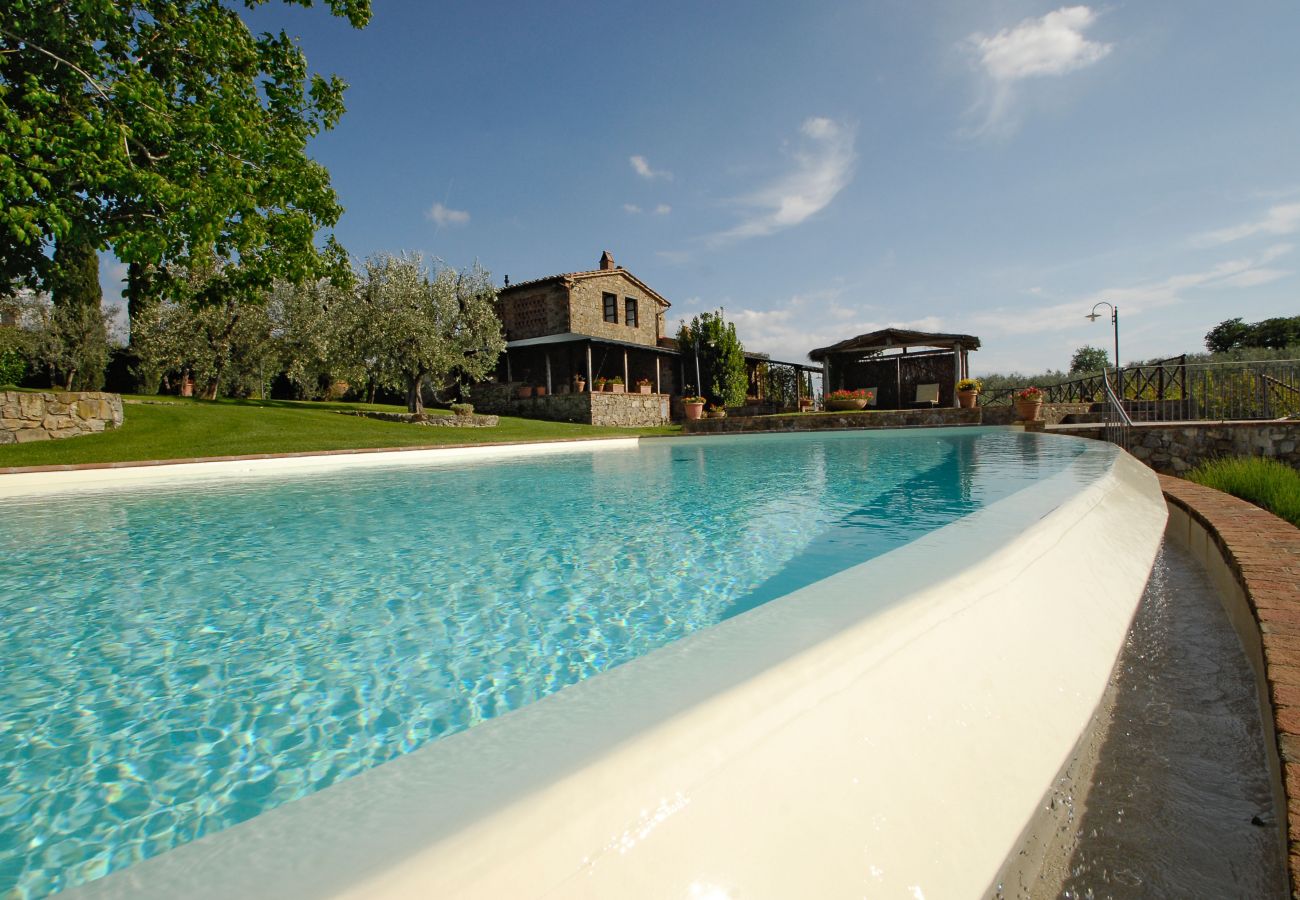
(414, 398)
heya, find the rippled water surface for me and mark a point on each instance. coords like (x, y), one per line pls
(176, 661)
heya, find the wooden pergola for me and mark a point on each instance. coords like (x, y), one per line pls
(894, 361)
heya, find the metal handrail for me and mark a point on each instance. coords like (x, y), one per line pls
(1118, 421)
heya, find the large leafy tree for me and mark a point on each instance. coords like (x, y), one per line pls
(713, 340)
(409, 327)
(161, 129)
(1089, 359)
(1234, 334)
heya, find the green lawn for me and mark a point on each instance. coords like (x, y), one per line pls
(173, 428)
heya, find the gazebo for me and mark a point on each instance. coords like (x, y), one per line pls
(895, 361)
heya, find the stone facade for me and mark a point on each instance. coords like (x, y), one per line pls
(599, 408)
(587, 309)
(1173, 449)
(889, 418)
(535, 310)
(48, 416)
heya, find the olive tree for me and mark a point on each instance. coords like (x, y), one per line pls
(409, 325)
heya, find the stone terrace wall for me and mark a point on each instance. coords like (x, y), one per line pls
(600, 408)
(901, 418)
(1052, 414)
(45, 416)
(1173, 449)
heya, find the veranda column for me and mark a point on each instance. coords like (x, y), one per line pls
(591, 382)
(956, 372)
(658, 385)
(548, 373)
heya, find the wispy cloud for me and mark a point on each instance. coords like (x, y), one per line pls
(823, 167)
(1050, 45)
(1244, 272)
(444, 215)
(1279, 220)
(632, 209)
(663, 209)
(642, 167)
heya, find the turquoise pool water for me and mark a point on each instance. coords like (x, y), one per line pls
(176, 661)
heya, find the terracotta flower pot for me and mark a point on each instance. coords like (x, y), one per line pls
(525, 391)
(643, 388)
(618, 388)
(1029, 410)
(845, 405)
(693, 410)
(539, 391)
(967, 399)
(579, 386)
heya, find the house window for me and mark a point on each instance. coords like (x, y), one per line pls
(629, 311)
(611, 308)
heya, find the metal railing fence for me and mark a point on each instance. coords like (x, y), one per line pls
(1176, 390)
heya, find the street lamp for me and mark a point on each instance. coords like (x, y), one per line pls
(1114, 321)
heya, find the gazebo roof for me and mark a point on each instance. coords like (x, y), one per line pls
(896, 337)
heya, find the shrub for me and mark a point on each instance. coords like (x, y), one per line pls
(1267, 483)
(462, 409)
(12, 367)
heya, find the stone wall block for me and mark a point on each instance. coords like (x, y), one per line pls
(33, 416)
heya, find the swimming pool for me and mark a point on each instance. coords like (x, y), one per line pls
(182, 660)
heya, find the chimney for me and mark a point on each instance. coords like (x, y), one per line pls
(607, 262)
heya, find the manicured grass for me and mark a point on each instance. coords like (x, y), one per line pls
(175, 428)
(1267, 483)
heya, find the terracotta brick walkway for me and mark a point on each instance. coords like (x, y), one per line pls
(1263, 552)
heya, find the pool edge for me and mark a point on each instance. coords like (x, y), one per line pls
(925, 633)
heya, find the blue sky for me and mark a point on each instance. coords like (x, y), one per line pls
(823, 169)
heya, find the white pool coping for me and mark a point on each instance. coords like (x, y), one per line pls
(888, 731)
(113, 477)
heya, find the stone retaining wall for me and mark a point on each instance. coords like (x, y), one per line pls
(47, 416)
(633, 410)
(1253, 558)
(1052, 414)
(1173, 449)
(888, 418)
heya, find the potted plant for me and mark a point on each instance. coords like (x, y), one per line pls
(524, 391)
(539, 390)
(579, 384)
(968, 390)
(601, 381)
(717, 412)
(643, 385)
(616, 385)
(694, 407)
(805, 404)
(845, 401)
(1029, 403)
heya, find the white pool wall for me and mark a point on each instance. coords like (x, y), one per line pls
(888, 731)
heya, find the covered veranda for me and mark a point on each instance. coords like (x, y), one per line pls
(895, 363)
(555, 360)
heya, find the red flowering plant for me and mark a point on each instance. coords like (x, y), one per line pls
(851, 395)
(1030, 394)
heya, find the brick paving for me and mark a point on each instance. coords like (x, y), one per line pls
(1263, 553)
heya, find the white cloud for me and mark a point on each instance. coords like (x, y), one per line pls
(446, 216)
(823, 168)
(631, 208)
(663, 209)
(805, 322)
(1244, 272)
(1051, 45)
(642, 167)
(1283, 219)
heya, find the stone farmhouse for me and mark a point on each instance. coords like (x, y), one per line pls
(569, 334)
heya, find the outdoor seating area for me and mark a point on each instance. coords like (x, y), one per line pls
(903, 369)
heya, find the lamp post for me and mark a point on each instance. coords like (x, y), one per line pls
(1114, 321)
